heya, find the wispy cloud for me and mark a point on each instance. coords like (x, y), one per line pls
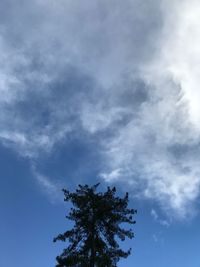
(51, 188)
(127, 74)
(157, 219)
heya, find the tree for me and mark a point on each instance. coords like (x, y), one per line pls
(97, 218)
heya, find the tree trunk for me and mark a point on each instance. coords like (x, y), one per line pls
(93, 252)
(92, 257)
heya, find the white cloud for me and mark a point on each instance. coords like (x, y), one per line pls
(170, 118)
(179, 52)
(127, 70)
(114, 175)
(37, 51)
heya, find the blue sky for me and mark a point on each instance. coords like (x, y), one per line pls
(100, 91)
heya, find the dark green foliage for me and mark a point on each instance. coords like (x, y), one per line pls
(97, 218)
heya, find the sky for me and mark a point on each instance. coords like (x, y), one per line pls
(100, 91)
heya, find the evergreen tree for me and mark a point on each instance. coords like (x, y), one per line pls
(97, 218)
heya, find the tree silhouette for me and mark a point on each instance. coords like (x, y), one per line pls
(97, 218)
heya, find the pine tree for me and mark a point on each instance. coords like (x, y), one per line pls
(97, 218)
